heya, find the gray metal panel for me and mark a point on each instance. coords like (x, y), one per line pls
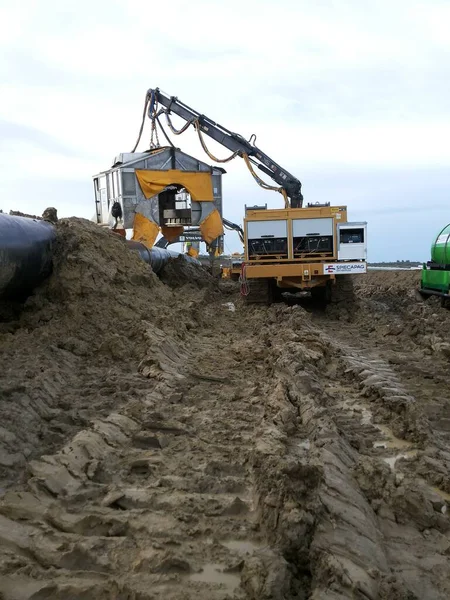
(352, 225)
(148, 208)
(184, 162)
(304, 227)
(156, 162)
(103, 199)
(161, 160)
(260, 229)
(131, 197)
(125, 157)
(352, 251)
(166, 159)
(129, 182)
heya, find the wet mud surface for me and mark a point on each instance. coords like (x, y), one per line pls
(167, 441)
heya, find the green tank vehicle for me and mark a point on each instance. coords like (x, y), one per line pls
(436, 272)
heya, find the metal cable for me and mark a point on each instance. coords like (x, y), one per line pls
(164, 132)
(154, 134)
(152, 113)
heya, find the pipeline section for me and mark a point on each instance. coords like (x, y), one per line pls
(25, 255)
(157, 257)
(26, 252)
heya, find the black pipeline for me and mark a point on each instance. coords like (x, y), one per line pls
(157, 258)
(26, 255)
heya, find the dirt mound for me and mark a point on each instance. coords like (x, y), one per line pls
(97, 291)
(179, 271)
(76, 346)
(397, 284)
(388, 308)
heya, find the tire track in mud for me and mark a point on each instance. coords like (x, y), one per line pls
(394, 441)
(252, 467)
(154, 501)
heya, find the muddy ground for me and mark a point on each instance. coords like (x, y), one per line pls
(164, 441)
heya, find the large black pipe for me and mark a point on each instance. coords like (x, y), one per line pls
(157, 258)
(25, 255)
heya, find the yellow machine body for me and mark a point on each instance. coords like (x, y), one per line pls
(301, 248)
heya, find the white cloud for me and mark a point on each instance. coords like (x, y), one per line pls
(28, 161)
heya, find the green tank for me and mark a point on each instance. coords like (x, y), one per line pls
(436, 272)
(440, 249)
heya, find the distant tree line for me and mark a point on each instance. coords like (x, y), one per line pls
(397, 263)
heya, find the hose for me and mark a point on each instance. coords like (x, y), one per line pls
(245, 287)
(172, 128)
(205, 148)
(144, 114)
(263, 184)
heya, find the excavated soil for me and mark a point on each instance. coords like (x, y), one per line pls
(165, 441)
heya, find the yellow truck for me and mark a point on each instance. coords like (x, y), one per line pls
(294, 249)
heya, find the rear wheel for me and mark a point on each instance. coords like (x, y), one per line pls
(276, 292)
(420, 296)
(445, 302)
(321, 295)
(260, 292)
(343, 291)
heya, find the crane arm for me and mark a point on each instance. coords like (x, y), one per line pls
(290, 186)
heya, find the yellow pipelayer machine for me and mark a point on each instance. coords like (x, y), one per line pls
(297, 247)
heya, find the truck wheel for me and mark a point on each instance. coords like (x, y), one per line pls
(321, 295)
(419, 296)
(276, 292)
(343, 290)
(445, 302)
(261, 292)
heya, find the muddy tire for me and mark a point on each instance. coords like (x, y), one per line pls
(261, 292)
(445, 303)
(419, 296)
(343, 291)
(276, 292)
(321, 295)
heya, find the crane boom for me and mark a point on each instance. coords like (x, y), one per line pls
(290, 186)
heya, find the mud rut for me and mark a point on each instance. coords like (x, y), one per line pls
(274, 455)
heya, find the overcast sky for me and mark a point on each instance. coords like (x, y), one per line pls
(350, 96)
